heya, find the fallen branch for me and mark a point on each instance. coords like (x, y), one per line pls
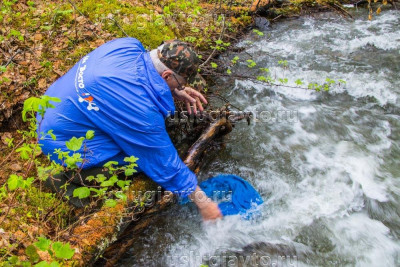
(220, 127)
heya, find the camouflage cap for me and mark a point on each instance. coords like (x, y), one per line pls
(181, 58)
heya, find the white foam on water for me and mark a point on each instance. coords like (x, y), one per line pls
(382, 132)
(346, 162)
(366, 84)
(307, 111)
(366, 240)
(378, 32)
(300, 46)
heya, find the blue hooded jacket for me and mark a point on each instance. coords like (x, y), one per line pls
(116, 91)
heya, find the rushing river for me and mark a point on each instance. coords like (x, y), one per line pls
(329, 173)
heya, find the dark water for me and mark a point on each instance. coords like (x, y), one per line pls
(329, 172)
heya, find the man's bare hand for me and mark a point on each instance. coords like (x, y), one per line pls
(191, 97)
(209, 210)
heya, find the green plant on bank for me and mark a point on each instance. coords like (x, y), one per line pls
(74, 159)
(19, 187)
(37, 206)
(59, 252)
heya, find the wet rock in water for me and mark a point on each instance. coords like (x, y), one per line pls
(263, 254)
(370, 47)
(262, 23)
(315, 236)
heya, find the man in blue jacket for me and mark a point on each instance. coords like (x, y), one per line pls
(124, 94)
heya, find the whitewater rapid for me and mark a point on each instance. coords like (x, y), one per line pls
(329, 176)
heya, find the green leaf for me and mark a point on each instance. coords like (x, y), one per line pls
(262, 78)
(283, 81)
(63, 251)
(50, 132)
(31, 104)
(94, 190)
(43, 243)
(70, 162)
(74, 143)
(110, 203)
(251, 64)
(130, 159)
(259, 33)
(110, 163)
(47, 99)
(330, 81)
(13, 259)
(214, 65)
(13, 182)
(121, 195)
(299, 82)
(121, 183)
(100, 177)
(25, 151)
(90, 135)
(28, 182)
(46, 264)
(107, 183)
(81, 192)
(235, 59)
(284, 63)
(114, 178)
(32, 253)
(89, 178)
(9, 142)
(228, 71)
(42, 264)
(129, 172)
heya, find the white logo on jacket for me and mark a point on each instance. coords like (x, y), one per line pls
(80, 86)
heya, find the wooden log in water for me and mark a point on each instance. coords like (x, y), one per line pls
(220, 127)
